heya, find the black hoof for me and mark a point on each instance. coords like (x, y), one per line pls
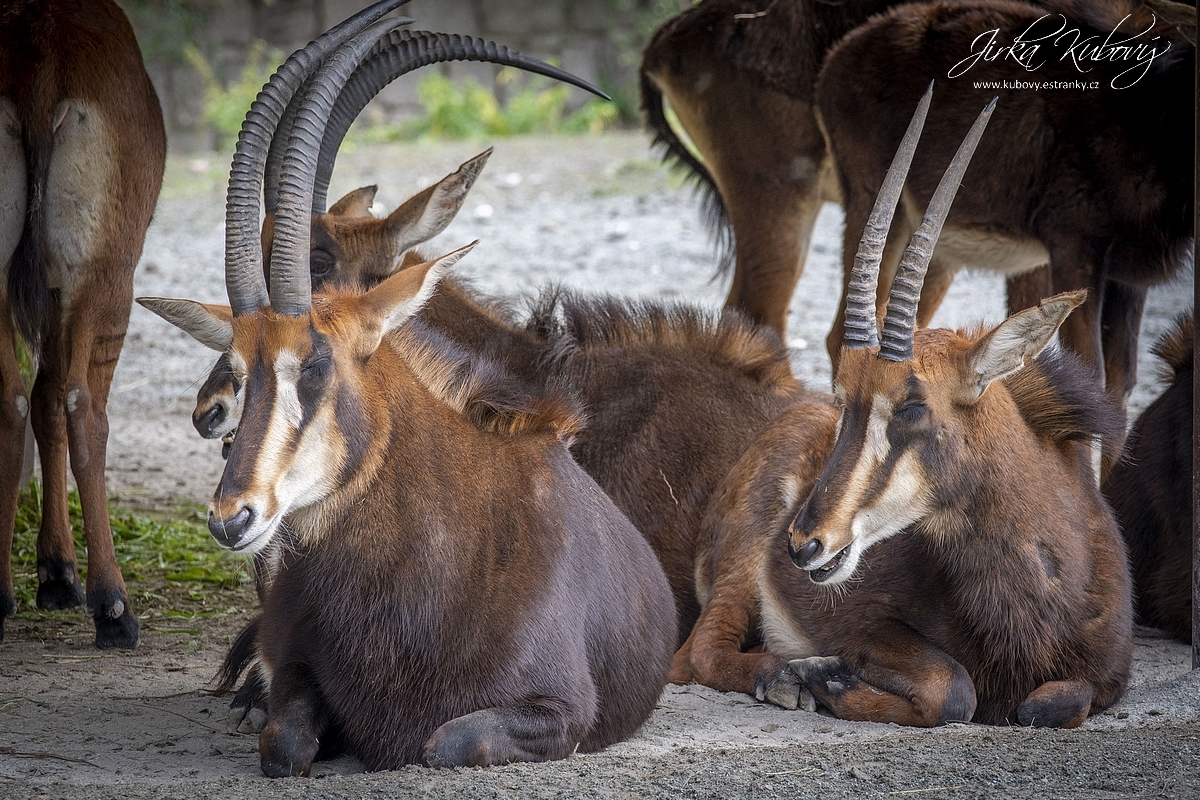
(8, 608)
(58, 585)
(116, 626)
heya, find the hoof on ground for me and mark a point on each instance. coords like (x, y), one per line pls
(58, 585)
(116, 626)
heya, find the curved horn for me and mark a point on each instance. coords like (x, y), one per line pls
(279, 142)
(291, 288)
(901, 318)
(405, 51)
(860, 324)
(243, 251)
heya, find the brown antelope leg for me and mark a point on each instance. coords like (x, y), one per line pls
(1056, 704)
(713, 655)
(1120, 323)
(532, 732)
(14, 407)
(766, 155)
(96, 335)
(903, 679)
(933, 290)
(58, 578)
(297, 720)
(1028, 289)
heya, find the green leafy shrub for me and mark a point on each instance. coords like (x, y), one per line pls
(225, 105)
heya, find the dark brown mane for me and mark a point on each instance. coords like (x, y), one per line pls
(1176, 348)
(482, 391)
(1057, 397)
(571, 323)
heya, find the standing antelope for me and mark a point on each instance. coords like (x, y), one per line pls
(739, 76)
(1150, 493)
(456, 590)
(82, 150)
(1098, 184)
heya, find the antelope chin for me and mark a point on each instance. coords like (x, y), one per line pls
(827, 571)
(259, 537)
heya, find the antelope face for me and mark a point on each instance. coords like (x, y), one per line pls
(307, 412)
(876, 482)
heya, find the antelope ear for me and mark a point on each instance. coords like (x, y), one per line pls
(427, 214)
(355, 204)
(210, 325)
(402, 295)
(1005, 349)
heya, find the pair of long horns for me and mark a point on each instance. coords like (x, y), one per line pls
(900, 321)
(292, 133)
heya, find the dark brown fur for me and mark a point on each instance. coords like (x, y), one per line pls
(1150, 491)
(84, 133)
(1009, 600)
(464, 594)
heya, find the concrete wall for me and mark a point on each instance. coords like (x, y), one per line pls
(595, 39)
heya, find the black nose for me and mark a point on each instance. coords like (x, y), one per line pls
(803, 556)
(207, 422)
(228, 532)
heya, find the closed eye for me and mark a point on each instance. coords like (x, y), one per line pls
(911, 412)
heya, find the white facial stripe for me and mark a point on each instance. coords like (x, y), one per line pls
(875, 449)
(287, 401)
(902, 503)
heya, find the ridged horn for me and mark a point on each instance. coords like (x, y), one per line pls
(860, 324)
(290, 285)
(404, 51)
(244, 280)
(900, 322)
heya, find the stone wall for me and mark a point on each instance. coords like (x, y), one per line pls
(598, 40)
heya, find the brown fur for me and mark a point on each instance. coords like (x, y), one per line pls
(83, 133)
(451, 594)
(1014, 578)
(1150, 492)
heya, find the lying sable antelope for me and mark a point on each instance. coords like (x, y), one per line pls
(1150, 493)
(348, 247)
(1007, 597)
(425, 613)
(82, 150)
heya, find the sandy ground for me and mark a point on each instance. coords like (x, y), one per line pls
(599, 214)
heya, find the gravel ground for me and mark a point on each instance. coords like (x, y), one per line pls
(601, 215)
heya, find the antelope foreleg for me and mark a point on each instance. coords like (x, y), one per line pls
(296, 722)
(712, 654)
(917, 686)
(14, 409)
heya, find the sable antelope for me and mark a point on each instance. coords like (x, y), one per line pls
(458, 590)
(1150, 493)
(348, 247)
(82, 150)
(739, 75)
(1007, 597)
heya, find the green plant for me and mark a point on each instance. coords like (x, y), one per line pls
(467, 109)
(225, 105)
(172, 567)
